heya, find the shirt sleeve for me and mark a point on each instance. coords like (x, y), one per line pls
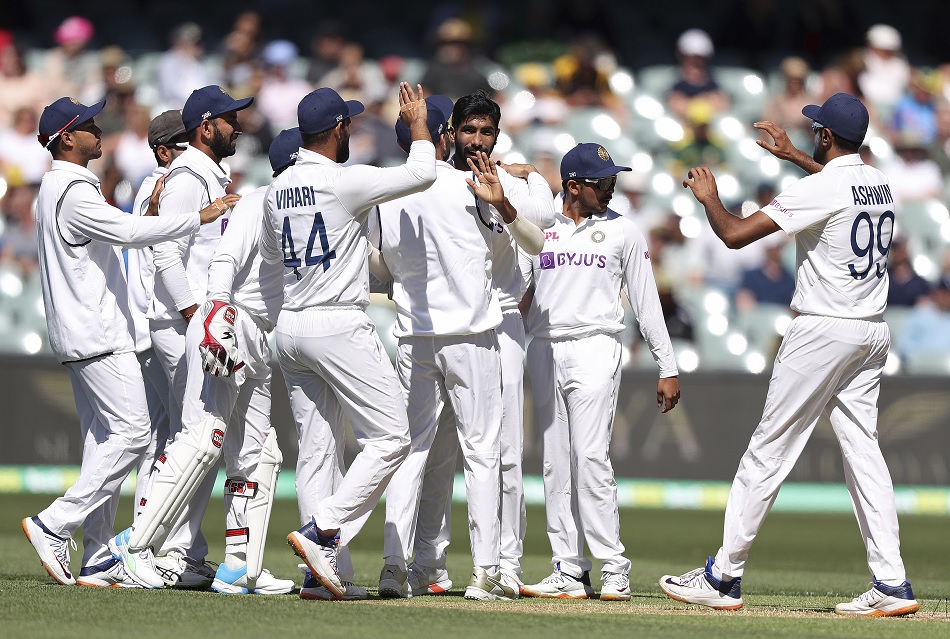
(645, 301)
(269, 245)
(531, 198)
(84, 213)
(179, 197)
(242, 236)
(796, 208)
(362, 187)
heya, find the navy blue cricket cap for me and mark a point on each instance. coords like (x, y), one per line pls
(440, 110)
(843, 114)
(283, 150)
(207, 103)
(589, 160)
(64, 115)
(323, 109)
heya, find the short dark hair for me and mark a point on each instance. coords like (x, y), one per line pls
(846, 145)
(316, 139)
(477, 103)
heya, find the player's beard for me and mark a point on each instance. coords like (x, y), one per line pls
(221, 146)
(343, 148)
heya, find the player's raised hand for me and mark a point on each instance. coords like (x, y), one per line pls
(218, 207)
(486, 184)
(153, 198)
(781, 147)
(667, 393)
(518, 170)
(702, 183)
(412, 105)
(219, 349)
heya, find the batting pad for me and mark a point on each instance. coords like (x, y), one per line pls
(260, 504)
(177, 477)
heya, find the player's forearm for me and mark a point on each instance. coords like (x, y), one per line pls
(104, 223)
(221, 274)
(528, 236)
(724, 224)
(803, 161)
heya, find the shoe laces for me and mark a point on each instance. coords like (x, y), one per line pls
(61, 548)
(616, 580)
(558, 577)
(695, 578)
(870, 596)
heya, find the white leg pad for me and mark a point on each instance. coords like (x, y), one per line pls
(177, 477)
(261, 502)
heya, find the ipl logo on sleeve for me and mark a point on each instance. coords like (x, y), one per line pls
(547, 260)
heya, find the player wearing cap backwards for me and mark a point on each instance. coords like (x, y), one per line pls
(327, 347)
(438, 246)
(195, 179)
(475, 128)
(574, 365)
(168, 140)
(90, 330)
(842, 217)
(226, 407)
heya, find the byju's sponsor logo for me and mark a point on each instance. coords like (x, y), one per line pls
(554, 260)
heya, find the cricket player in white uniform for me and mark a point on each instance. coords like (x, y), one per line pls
(167, 139)
(590, 255)
(842, 217)
(195, 179)
(90, 329)
(475, 129)
(227, 406)
(327, 347)
(438, 246)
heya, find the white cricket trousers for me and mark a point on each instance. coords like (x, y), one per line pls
(463, 371)
(832, 363)
(433, 526)
(156, 396)
(242, 401)
(334, 366)
(113, 417)
(168, 342)
(575, 383)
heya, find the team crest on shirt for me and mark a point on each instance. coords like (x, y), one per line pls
(602, 154)
(597, 237)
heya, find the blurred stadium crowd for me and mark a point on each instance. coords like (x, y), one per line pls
(725, 310)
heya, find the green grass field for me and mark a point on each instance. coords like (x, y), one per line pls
(801, 566)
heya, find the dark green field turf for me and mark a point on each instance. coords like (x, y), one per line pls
(801, 566)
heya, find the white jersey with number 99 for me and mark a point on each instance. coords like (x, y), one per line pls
(843, 220)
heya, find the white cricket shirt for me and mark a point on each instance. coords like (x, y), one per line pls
(438, 247)
(141, 270)
(238, 274)
(315, 223)
(578, 278)
(181, 267)
(81, 266)
(842, 218)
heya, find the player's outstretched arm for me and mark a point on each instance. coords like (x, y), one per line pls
(413, 111)
(782, 148)
(667, 393)
(733, 231)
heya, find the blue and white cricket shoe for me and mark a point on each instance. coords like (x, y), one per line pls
(700, 587)
(106, 574)
(881, 601)
(52, 549)
(233, 581)
(138, 564)
(319, 553)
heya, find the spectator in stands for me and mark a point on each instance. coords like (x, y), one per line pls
(21, 158)
(913, 176)
(545, 107)
(694, 48)
(181, 69)
(700, 146)
(326, 47)
(679, 323)
(19, 87)
(280, 91)
(356, 78)
(927, 330)
(19, 237)
(886, 71)
(116, 85)
(133, 156)
(69, 68)
(240, 52)
(582, 75)
(905, 286)
(916, 112)
(453, 71)
(770, 283)
(630, 200)
(785, 109)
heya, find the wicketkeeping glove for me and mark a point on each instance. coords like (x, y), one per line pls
(219, 348)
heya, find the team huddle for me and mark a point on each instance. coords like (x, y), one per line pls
(170, 357)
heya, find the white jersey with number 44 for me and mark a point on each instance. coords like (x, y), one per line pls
(843, 219)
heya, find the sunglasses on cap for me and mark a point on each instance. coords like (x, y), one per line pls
(601, 184)
(815, 127)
